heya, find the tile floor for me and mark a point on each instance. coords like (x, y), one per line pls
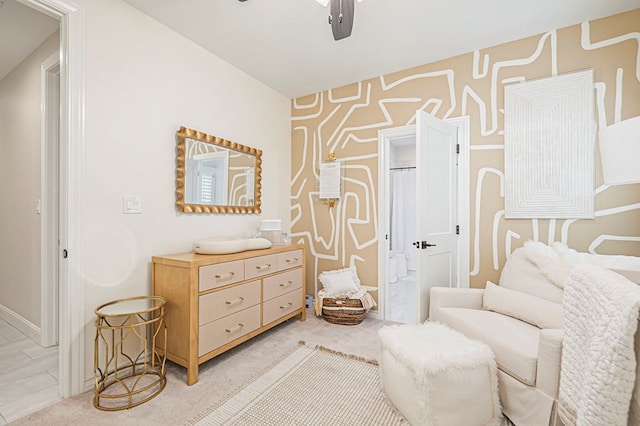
(402, 299)
(28, 375)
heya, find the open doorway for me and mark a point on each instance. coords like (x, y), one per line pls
(401, 258)
(409, 242)
(30, 122)
(69, 251)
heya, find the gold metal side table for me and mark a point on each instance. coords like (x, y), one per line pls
(129, 326)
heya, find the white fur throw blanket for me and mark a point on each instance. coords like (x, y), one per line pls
(598, 360)
(548, 262)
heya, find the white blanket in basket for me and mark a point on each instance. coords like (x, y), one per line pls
(367, 300)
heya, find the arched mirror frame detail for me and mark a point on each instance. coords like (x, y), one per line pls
(185, 133)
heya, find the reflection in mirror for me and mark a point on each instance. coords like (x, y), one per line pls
(215, 175)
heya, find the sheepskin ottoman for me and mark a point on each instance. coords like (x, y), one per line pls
(436, 376)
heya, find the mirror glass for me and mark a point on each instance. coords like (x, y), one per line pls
(215, 175)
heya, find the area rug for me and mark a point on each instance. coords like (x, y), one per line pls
(311, 386)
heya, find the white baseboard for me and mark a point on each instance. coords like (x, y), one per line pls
(89, 384)
(24, 326)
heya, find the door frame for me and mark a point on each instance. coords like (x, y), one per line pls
(385, 137)
(71, 347)
(49, 198)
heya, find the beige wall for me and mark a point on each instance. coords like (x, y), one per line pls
(20, 143)
(346, 120)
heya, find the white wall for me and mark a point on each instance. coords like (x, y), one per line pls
(20, 188)
(403, 155)
(143, 81)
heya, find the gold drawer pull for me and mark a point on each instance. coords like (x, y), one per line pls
(288, 306)
(261, 267)
(295, 259)
(287, 284)
(231, 330)
(226, 276)
(238, 300)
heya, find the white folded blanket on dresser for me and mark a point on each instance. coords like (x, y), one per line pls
(598, 359)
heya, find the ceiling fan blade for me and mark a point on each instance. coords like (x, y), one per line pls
(341, 18)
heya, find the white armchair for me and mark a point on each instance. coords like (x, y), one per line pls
(522, 321)
(528, 357)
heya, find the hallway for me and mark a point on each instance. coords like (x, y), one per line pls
(28, 375)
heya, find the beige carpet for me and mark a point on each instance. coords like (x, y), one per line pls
(345, 391)
(219, 377)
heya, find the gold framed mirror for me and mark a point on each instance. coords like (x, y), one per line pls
(215, 175)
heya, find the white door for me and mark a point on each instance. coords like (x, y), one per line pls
(436, 197)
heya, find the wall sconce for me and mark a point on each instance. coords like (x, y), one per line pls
(620, 152)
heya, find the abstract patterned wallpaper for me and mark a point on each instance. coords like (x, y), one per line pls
(346, 120)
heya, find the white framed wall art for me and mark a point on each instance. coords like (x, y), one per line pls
(549, 148)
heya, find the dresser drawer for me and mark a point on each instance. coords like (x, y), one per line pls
(282, 283)
(225, 302)
(281, 306)
(220, 274)
(228, 329)
(289, 259)
(261, 265)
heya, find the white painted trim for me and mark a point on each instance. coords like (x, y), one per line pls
(49, 173)
(72, 79)
(384, 138)
(463, 125)
(21, 324)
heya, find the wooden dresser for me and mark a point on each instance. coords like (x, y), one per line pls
(216, 302)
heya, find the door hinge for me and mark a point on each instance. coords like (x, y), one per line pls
(457, 148)
(65, 254)
(457, 229)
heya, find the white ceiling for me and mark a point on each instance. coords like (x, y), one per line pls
(288, 45)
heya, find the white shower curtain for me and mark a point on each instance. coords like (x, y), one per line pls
(403, 213)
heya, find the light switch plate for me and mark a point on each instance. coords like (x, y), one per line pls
(131, 204)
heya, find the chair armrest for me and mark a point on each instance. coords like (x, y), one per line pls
(549, 359)
(445, 297)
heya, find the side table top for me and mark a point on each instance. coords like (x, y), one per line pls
(133, 305)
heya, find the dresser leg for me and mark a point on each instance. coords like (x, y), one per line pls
(192, 374)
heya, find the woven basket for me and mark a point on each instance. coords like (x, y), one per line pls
(343, 310)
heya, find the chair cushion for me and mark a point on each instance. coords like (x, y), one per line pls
(514, 342)
(531, 309)
(522, 275)
(627, 266)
